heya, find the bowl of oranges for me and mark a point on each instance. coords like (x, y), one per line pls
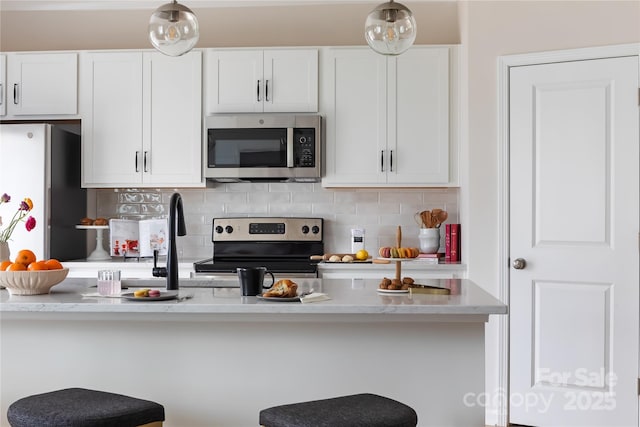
(26, 276)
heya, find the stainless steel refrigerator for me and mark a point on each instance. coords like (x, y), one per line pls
(43, 162)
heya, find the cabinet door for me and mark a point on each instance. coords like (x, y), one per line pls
(172, 153)
(418, 137)
(3, 85)
(111, 109)
(234, 81)
(43, 83)
(356, 106)
(291, 80)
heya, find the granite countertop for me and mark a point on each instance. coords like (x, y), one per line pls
(348, 297)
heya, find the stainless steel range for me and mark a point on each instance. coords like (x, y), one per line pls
(283, 245)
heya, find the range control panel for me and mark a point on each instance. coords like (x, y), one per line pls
(267, 229)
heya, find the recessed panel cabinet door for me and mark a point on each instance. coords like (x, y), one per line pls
(3, 85)
(356, 129)
(111, 109)
(43, 83)
(418, 138)
(290, 80)
(234, 81)
(172, 149)
(574, 216)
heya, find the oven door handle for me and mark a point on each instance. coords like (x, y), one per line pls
(290, 147)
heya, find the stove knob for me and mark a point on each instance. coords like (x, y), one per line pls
(219, 229)
(315, 229)
(305, 229)
(228, 229)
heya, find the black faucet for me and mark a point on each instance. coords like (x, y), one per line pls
(175, 207)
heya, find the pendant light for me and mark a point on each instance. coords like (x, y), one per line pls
(173, 29)
(390, 28)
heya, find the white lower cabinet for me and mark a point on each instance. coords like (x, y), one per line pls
(141, 119)
(388, 118)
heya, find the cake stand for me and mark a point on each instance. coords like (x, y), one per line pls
(99, 254)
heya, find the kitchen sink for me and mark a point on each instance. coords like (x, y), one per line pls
(191, 282)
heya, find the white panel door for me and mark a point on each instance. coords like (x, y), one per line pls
(234, 81)
(3, 85)
(418, 134)
(574, 216)
(111, 108)
(290, 80)
(356, 133)
(43, 83)
(172, 152)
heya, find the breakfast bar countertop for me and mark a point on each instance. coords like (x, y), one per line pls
(347, 297)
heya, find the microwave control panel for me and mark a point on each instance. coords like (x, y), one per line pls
(304, 150)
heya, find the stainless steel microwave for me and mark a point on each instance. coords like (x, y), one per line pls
(263, 147)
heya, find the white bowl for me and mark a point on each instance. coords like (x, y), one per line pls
(31, 282)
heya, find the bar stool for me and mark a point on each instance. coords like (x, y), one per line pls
(80, 407)
(358, 410)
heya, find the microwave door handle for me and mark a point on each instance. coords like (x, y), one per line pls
(289, 147)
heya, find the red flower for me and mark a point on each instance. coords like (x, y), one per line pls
(30, 224)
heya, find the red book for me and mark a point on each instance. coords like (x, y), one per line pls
(447, 242)
(455, 242)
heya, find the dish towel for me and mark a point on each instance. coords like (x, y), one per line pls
(314, 297)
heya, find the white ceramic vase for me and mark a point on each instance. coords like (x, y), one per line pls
(5, 254)
(429, 240)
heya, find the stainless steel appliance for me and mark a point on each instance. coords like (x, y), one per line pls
(263, 147)
(42, 162)
(283, 245)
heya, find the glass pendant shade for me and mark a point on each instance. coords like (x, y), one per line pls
(173, 29)
(390, 28)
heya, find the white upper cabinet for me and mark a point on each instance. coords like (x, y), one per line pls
(172, 145)
(42, 84)
(141, 119)
(111, 109)
(255, 81)
(388, 121)
(3, 85)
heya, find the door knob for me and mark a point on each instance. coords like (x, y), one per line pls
(519, 263)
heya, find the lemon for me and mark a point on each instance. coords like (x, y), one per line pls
(362, 255)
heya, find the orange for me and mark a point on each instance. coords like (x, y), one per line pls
(25, 257)
(54, 264)
(38, 265)
(4, 265)
(16, 266)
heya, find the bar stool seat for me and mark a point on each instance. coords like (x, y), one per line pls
(358, 410)
(78, 407)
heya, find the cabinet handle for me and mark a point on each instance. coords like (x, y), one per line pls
(381, 160)
(1, 94)
(15, 93)
(258, 91)
(137, 155)
(391, 161)
(266, 90)
(144, 162)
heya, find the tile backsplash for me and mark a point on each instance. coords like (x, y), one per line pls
(379, 211)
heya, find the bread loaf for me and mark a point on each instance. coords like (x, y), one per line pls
(284, 288)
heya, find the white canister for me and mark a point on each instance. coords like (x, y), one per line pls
(429, 240)
(357, 239)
